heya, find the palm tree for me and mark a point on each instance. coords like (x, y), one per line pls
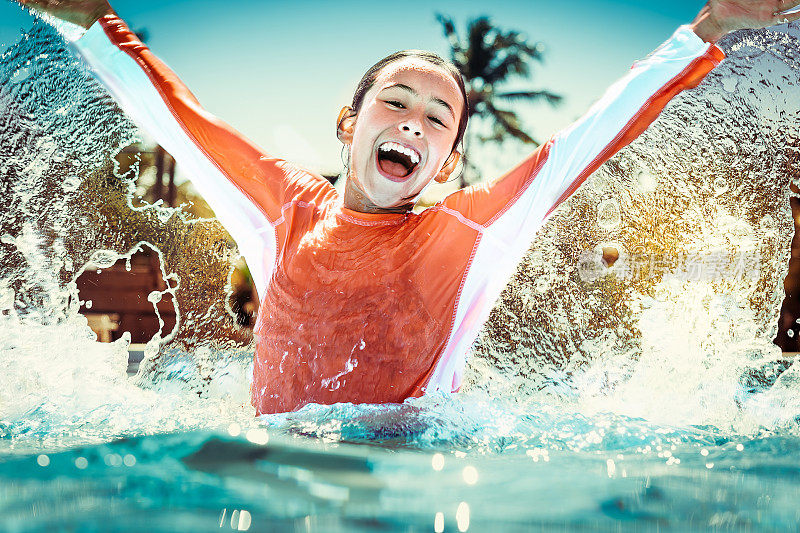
(488, 58)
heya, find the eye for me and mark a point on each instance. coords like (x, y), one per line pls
(395, 103)
(436, 120)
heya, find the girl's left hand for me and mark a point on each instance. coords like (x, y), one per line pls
(81, 12)
(719, 17)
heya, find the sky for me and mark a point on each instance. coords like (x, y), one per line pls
(280, 72)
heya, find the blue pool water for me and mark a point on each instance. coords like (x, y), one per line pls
(476, 465)
(652, 404)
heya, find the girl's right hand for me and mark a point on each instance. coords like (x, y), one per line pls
(719, 17)
(81, 12)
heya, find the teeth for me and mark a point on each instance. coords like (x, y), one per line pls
(412, 154)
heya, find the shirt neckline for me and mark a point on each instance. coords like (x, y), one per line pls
(370, 219)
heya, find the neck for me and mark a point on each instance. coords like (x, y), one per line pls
(355, 199)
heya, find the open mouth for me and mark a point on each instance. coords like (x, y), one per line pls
(397, 162)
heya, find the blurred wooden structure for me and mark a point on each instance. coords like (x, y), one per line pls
(788, 328)
(118, 296)
(165, 167)
(119, 299)
(164, 187)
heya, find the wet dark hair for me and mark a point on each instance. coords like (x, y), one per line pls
(368, 80)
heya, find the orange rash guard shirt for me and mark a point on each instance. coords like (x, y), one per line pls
(360, 307)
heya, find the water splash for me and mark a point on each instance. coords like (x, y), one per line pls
(605, 398)
(65, 207)
(567, 362)
(656, 334)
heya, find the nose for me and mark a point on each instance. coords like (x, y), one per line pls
(411, 127)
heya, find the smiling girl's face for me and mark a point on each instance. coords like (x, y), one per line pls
(404, 132)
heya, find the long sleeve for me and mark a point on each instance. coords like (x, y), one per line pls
(531, 191)
(246, 188)
(506, 214)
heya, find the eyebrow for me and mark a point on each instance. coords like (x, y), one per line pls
(415, 93)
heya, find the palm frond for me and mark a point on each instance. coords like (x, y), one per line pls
(535, 51)
(514, 40)
(511, 63)
(551, 98)
(479, 52)
(451, 34)
(488, 57)
(509, 121)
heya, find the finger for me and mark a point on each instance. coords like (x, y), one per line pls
(787, 5)
(32, 4)
(783, 18)
(790, 17)
(40, 5)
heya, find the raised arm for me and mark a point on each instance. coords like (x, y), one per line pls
(515, 206)
(246, 188)
(506, 214)
(524, 197)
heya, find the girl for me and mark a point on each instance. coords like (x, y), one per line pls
(363, 300)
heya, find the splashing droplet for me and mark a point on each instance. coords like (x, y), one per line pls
(608, 214)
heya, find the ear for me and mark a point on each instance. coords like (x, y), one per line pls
(345, 124)
(449, 167)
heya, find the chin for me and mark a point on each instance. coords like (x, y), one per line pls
(386, 199)
(387, 202)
